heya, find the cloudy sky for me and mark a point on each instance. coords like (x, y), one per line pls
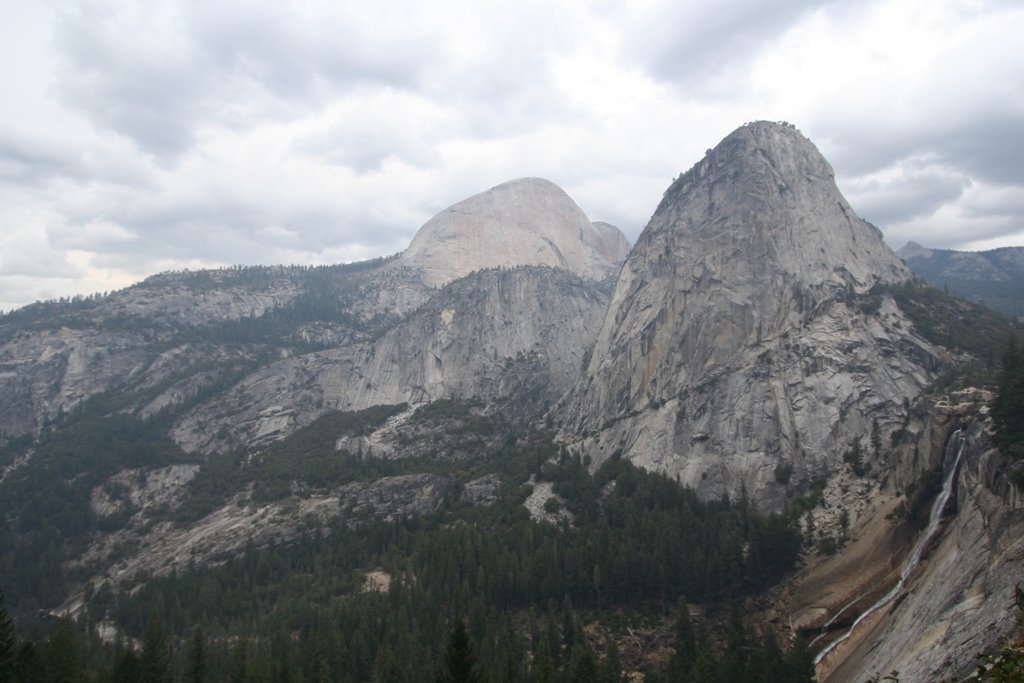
(137, 137)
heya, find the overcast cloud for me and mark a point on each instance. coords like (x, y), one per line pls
(144, 136)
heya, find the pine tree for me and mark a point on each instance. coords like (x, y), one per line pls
(459, 660)
(197, 658)
(1008, 407)
(685, 645)
(127, 667)
(386, 668)
(6, 644)
(156, 655)
(544, 664)
(770, 664)
(735, 656)
(63, 657)
(611, 669)
(800, 663)
(28, 665)
(584, 665)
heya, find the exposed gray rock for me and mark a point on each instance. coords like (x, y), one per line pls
(132, 489)
(518, 336)
(394, 498)
(729, 346)
(482, 491)
(146, 548)
(53, 371)
(148, 341)
(912, 250)
(529, 221)
(613, 245)
(538, 501)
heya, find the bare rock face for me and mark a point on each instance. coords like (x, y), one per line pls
(135, 488)
(519, 336)
(168, 330)
(225, 532)
(482, 491)
(731, 345)
(170, 338)
(51, 371)
(522, 222)
(394, 498)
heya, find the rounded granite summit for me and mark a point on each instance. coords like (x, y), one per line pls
(525, 222)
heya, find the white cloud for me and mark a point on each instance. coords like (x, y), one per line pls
(155, 135)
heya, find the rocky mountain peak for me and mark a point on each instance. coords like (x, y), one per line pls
(727, 346)
(529, 221)
(914, 250)
(766, 195)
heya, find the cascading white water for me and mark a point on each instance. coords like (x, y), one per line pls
(956, 440)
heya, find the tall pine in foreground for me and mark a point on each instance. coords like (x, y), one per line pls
(1008, 406)
(459, 660)
(197, 658)
(156, 654)
(62, 654)
(6, 644)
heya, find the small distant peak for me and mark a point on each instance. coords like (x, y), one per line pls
(614, 245)
(540, 183)
(914, 250)
(526, 221)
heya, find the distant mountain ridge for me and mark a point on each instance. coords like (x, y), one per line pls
(994, 278)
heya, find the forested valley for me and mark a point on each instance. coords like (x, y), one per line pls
(630, 553)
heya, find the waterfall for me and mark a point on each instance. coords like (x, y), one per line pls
(958, 441)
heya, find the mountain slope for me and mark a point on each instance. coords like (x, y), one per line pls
(517, 336)
(994, 278)
(729, 347)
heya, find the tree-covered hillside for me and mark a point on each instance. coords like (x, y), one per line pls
(541, 601)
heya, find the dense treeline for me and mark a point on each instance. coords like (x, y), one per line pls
(299, 612)
(46, 517)
(1008, 407)
(45, 512)
(649, 540)
(546, 647)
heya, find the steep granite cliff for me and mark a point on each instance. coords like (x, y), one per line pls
(517, 336)
(731, 345)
